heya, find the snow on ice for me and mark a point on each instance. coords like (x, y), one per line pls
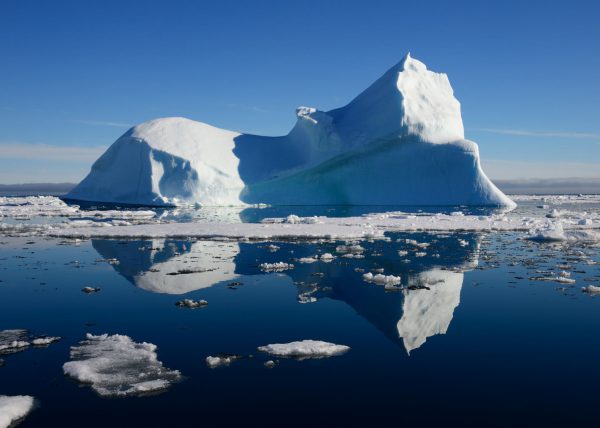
(115, 365)
(305, 349)
(14, 408)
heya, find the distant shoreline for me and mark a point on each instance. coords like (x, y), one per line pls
(563, 186)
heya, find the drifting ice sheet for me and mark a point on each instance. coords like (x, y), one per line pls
(117, 366)
(305, 349)
(14, 408)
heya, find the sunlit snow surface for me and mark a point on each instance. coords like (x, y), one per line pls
(540, 221)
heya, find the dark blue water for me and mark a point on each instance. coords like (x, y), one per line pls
(488, 346)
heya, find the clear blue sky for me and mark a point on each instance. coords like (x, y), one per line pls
(75, 74)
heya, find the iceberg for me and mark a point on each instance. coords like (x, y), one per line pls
(400, 142)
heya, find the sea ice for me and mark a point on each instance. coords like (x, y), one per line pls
(115, 365)
(16, 340)
(381, 279)
(14, 408)
(305, 349)
(276, 267)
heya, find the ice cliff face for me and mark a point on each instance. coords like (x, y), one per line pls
(400, 142)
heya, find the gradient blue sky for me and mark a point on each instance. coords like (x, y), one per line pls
(74, 75)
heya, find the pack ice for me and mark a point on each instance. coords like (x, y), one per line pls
(400, 142)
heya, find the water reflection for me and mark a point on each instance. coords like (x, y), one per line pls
(430, 266)
(170, 266)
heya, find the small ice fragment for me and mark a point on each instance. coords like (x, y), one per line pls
(307, 260)
(43, 341)
(380, 279)
(327, 257)
(305, 349)
(89, 290)
(276, 267)
(592, 290)
(221, 360)
(190, 303)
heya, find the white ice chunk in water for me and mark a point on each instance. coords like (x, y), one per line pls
(380, 279)
(276, 267)
(14, 408)
(305, 349)
(115, 365)
(17, 340)
(221, 360)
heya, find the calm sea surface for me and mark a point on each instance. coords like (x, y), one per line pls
(473, 338)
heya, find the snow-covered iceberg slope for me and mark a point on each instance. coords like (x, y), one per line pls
(400, 142)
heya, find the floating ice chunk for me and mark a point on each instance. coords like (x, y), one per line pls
(193, 304)
(592, 290)
(585, 222)
(402, 253)
(559, 279)
(272, 248)
(44, 341)
(548, 232)
(269, 364)
(349, 249)
(221, 360)
(462, 243)
(327, 257)
(276, 267)
(115, 365)
(89, 290)
(307, 259)
(16, 340)
(14, 408)
(307, 297)
(381, 279)
(305, 349)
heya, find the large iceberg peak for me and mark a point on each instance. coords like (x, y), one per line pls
(408, 99)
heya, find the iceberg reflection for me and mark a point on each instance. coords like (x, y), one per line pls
(430, 266)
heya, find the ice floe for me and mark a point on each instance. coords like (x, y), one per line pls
(381, 279)
(16, 340)
(276, 267)
(14, 408)
(305, 349)
(115, 365)
(592, 290)
(221, 360)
